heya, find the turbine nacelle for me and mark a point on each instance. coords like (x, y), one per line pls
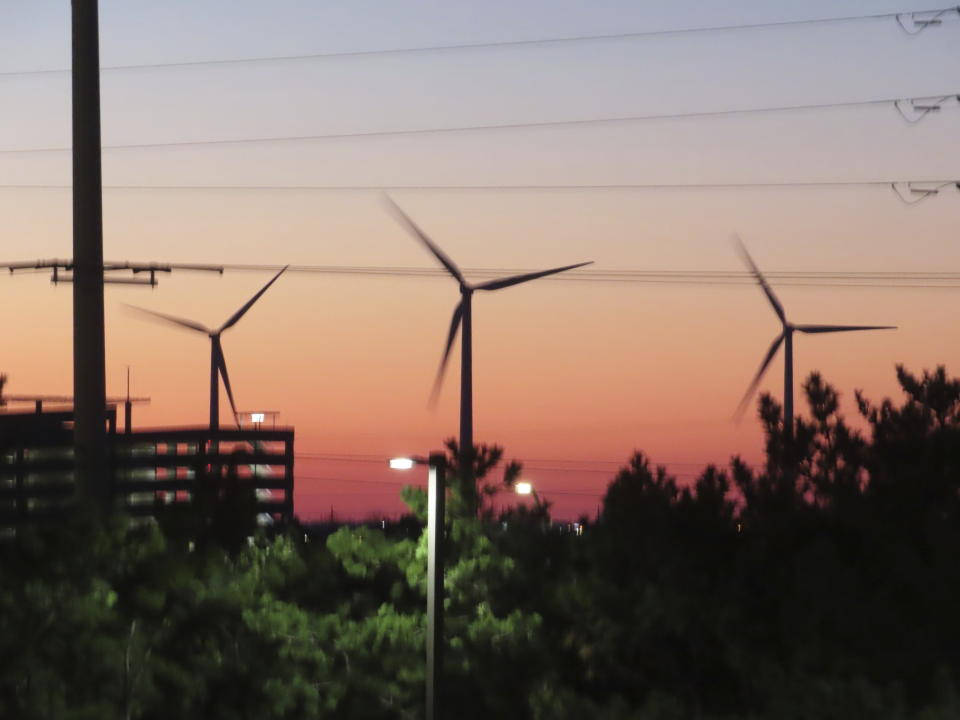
(218, 363)
(466, 289)
(785, 335)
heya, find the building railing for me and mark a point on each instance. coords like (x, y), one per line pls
(149, 468)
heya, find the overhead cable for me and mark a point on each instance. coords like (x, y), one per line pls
(382, 460)
(911, 109)
(915, 194)
(940, 183)
(422, 484)
(921, 107)
(807, 278)
(922, 20)
(911, 22)
(699, 277)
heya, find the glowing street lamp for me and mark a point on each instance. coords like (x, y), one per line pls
(436, 497)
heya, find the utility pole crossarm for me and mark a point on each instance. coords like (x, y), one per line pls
(136, 268)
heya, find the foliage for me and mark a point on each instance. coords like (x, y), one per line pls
(820, 585)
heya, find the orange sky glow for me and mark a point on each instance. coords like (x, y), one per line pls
(570, 377)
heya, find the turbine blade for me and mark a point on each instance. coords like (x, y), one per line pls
(422, 236)
(188, 324)
(758, 377)
(517, 279)
(222, 365)
(242, 311)
(451, 336)
(841, 328)
(777, 307)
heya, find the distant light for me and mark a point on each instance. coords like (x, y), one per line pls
(256, 417)
(401, 463)
(524, 488)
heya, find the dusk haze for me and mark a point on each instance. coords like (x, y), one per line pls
(614, 242)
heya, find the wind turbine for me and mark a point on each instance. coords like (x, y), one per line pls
(218, 365)
(786, 338)
(462, 317)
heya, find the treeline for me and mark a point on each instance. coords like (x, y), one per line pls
(824, 585)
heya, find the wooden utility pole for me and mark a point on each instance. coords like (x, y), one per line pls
(89, 382)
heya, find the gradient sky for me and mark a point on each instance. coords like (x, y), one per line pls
(569, 376)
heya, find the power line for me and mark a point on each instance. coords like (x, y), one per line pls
(544, 492)
(528, 464)
(580, 493)
(317, 478)
(919, 194)
(921, 106)
(504, 187)
(382, 460)
(922, 19)
(812, 278)
(612, 274)
(399, 485)
(347, 491)
(696, 277)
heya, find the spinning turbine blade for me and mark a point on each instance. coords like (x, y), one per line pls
(188, 324)
(759, 376)
(517, 279)
(454, 327)
(777, 307)
(422, 236)
(841, 328)
(242, 311)
(222, 366)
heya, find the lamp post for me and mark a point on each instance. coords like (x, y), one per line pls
(436, 500)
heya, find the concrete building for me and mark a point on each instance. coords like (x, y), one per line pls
(150, 468)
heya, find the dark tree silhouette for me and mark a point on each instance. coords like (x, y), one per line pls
(821, 584)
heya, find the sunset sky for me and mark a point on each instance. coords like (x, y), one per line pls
(569, 376)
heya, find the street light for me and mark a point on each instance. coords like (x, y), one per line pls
(436, 496)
